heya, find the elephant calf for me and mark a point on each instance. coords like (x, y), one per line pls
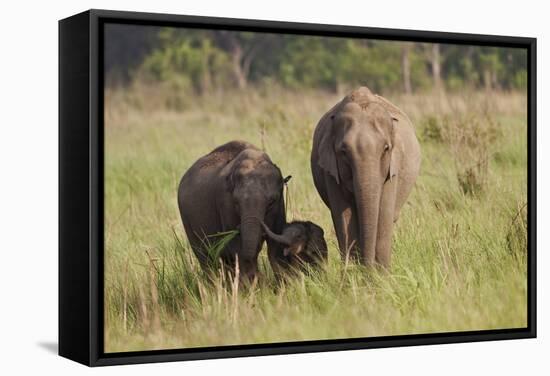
(234, 186)
(304, 243)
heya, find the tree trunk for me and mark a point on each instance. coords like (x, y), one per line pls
(487, 79)
(436, 66)
(243, 53)
(230, 43)
(206, 77)
(236, 58)
(406, 67)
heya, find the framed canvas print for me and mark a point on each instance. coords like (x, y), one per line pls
(236, 187)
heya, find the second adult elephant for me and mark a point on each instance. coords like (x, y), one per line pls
(365, 160)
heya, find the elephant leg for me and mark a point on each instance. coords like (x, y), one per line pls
(248, 268)
(197, 246)
(278, 262)
(348, 241)
(344, 219)
(386, 217)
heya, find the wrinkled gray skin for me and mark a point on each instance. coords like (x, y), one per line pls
(234, 186)
(365, 160)
(304, 243)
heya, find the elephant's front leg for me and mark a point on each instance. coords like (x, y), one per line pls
(346, 232)
(344, 218)
(248, 268)
(386, 219)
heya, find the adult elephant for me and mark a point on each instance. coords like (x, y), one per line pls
(234, 186)
(365, 160)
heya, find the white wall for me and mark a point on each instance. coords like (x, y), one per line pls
(28, 185)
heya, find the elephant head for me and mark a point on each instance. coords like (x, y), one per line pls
(358, 150)
(303, 242)
(255, 188)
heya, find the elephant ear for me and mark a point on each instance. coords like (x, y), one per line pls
(229, 182)
(327, 155)
(393, 155)
(230, 179)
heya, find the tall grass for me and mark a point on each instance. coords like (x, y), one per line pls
(459, 258)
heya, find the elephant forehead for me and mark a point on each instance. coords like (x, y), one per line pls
(351, 109)
(364, 109)
(248, 165)
(373, 115)
(294, 230)
(260, 177)
(257, 167)
(254, 155)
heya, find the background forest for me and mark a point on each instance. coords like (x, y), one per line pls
(200, 61)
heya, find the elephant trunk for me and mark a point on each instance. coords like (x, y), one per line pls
(282, 239)
(368, 191)
(251, 241)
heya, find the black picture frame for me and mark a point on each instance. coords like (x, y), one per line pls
(81, 187)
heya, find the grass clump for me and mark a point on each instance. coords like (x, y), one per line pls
(516, 238)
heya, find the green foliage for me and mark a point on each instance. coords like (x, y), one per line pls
(330, 62)
(220, 241)
(433, 129)
(309, 62)
(489, 67)
(420, 77)
(375, 65)
(519, 79)
(188, 62)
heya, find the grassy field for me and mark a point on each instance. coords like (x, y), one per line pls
(459, 248)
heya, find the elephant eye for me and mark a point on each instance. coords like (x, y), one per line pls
(386, 147)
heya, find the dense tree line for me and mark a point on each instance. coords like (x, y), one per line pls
(205, 59)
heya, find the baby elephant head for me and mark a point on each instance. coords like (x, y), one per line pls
(304, 243)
